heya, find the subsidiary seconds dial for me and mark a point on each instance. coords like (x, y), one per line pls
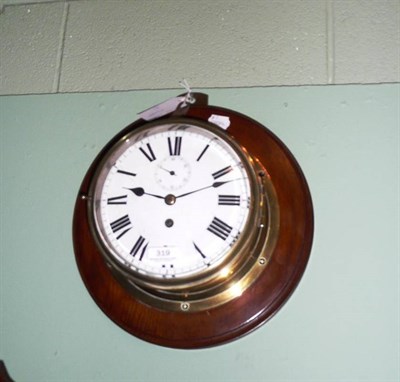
(172, 201)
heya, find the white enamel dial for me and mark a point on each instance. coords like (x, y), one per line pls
(171, 200)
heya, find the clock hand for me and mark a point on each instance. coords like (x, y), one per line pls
(214, 185)
(170, 172)
(139, 191)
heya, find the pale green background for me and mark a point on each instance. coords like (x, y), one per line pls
(341, 324)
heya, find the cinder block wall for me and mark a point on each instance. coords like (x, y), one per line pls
(80, 46)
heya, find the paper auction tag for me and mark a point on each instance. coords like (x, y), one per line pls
(220, 120)
(162, 108)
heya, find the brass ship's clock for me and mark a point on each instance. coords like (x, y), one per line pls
(188, 235)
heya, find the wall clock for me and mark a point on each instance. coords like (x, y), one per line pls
(188, 235)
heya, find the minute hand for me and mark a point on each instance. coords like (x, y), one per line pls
(214, 185)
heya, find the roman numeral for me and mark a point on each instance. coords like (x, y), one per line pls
(229, 200)
(118, 199)
(137, 246)
(220, 228)
(122, 224)
(175, 147)
(126, 173)
(202, 153)
(199, 250)
(148, 153)
(222, 172)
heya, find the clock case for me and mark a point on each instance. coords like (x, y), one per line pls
(277, 267)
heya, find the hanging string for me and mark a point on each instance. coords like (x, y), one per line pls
(189, 97)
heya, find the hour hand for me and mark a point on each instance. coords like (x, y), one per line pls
(139, 191)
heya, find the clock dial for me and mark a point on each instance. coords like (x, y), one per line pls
(171, 201)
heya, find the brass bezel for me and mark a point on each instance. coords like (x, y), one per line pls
(239, 268)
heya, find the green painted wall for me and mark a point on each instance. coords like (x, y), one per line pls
(341, 324)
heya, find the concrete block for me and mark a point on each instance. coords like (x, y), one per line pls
(153, 44)
(29, 49)
(367, 41)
